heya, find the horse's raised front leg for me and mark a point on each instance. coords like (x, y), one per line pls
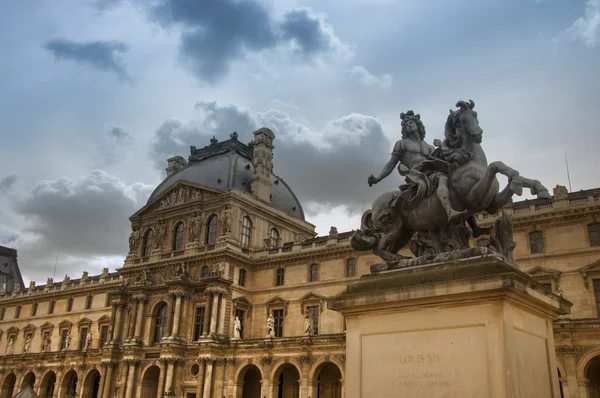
(394, 239)
(536, 188)
(483, 186)
(500, 200)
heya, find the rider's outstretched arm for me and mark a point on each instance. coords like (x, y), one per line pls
(387, 169)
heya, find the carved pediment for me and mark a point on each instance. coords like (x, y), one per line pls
(242, 303)
(84, 322)
(539, 273)
(588, 271)
(276, 303)
(312, 299)
(182, 192)
(47, 326)
(65, 324)
(13, 330)
(29, 329)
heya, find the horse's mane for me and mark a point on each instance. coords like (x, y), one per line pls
(452, 138)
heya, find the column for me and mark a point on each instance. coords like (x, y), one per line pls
(208, 377)
(200, 386)
(106, 386)
(113, 318)
(103, 367)
(571, 376)
(170, 370)
(222, 313)
(132, 320)
(124, 373)
(213, 313)
(177, 315)
(131, 378)
(266, 382)
(305, 385)
(140, 317)
(58, 385)
(162, 362)
(117, 324)
(171, 312)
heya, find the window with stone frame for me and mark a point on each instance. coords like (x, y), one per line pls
(594, 234)
(2, 311)
(51, 305)
(536, 242)
(246, 232)
(547, 286)
(278, 324)
(274, 238)
(161, 314)
(280, 277)
(241, 315)
(82, 337)
(34, 308)
(69, 304)
(63, 338)
(178, 233)
(199, 322)
(147, 247)
(88, 302)
(597, 294)
(313, 273)
(211, 230)
(313, 311)
(242, 277)
(351, 267)
(103, 335)
(17, 311)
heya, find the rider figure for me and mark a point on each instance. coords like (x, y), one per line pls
(412, 155)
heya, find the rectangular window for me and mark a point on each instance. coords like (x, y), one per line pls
(536, 242)
(34, 309)
(82, 336)
(240, 315)
(597, 293)
(69, 304)
(103, 335)
(278, 317)
(313, 311)
(17, 312)
(547, 286)
(2, 311)
(242, 278)
(351, 267)
(594, 234)
(199, 324)
(88, 302)
(63, 338)
(280, 276)
(314, 272)
(51, 307)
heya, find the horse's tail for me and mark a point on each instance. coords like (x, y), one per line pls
(367, 237)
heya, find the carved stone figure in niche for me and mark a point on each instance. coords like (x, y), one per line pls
(66, 280)
(225, 219)
(88, 340)
(85, 276)
(10, 346)
(333, 232)
(299, 238)
(49, 281)
(47, 343)
(463, 182)
(134, 238)
(237, 329)
(143, 279)
(194, 227)
(31, 284)
(309, 327)
(67, 342)
(161, 232)
(560, 192)
(271, 326)
(104, 273)
(180, 271)
(27, 344)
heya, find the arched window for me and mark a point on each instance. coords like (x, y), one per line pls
(351, 267)
(274, 237)
(314, 273)
(160, 322)
(147, 244)
(246, 228)
(211, 230)
(536, 242)
(242, 278)
(178, 237)
(594, 234)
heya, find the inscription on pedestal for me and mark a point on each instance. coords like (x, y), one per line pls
(425, 363)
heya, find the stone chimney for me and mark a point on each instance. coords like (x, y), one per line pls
(175, 164)
(262, 163)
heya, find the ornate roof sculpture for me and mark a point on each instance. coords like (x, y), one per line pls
(225, 165)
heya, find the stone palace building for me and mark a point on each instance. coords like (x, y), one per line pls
(222, 244)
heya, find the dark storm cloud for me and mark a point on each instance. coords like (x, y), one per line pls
(328, 167)
(119, 134)
(102, 55)
(216, 32)
(85, 218)
(7, 183)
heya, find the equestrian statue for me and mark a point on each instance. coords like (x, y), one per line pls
(446, 185)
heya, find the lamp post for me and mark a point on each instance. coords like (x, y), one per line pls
(169, 393)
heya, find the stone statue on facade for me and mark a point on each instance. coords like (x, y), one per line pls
(67, 342)
(10, 346)
(333, 232)
(161, 233)
(143, 279)
(226, 220)
(49, 282)
(309, 327)
(194, 227)
(27, 345)
(271, 326)
(445, 187)
(104, 273)
(237, 329)
(31, 284)
(88, 340)
(134, 238)
(47, 346)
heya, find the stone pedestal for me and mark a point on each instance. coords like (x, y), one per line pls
(472, 328)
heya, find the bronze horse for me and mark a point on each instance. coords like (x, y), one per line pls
(473, 186)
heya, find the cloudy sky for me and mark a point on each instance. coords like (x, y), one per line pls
(97, 94)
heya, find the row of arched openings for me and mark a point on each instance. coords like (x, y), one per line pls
(212, 226)
(48, 385)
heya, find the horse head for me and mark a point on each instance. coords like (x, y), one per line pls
(463, 122)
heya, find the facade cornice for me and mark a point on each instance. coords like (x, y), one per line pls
(53, 294)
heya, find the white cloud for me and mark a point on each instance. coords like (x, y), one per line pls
(587, 27)
(370, 80)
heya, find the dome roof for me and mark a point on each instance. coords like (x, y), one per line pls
(224, 165)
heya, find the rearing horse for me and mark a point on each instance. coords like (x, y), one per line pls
(389, 225)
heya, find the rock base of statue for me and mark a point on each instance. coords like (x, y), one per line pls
(476, 327)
